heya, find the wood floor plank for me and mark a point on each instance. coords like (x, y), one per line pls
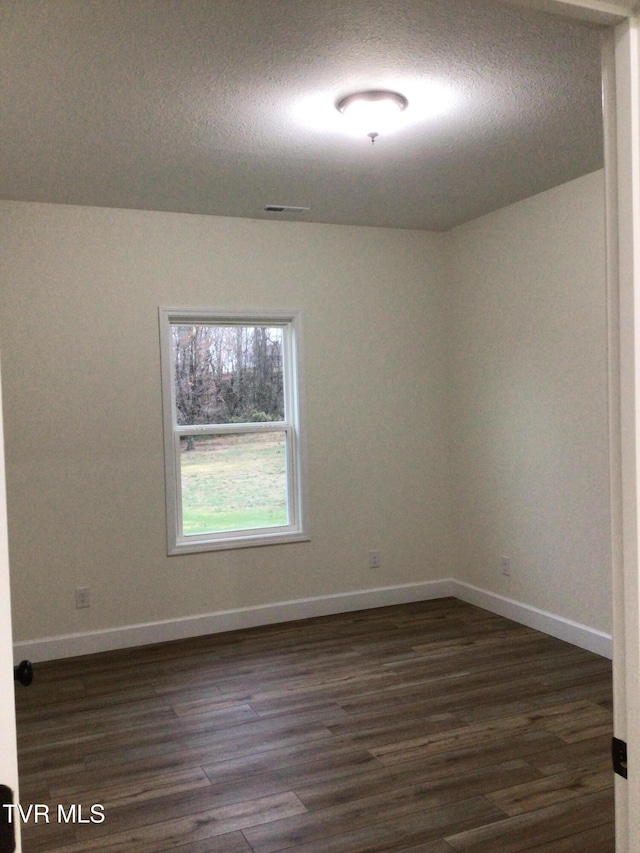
(556, 718)
(376, 830)
(539, 793)
(232, 842)
(546, 826)
(470, 694)
(226, 771)
(577, 754)
(209, 744)
(331, 772)
(192, 828)
(427, 847)
(135, 789)
(598, 839)
(184, 756)
(355, 788)
(45, 838)
(422, 728)
(585, 723)
(375, 730)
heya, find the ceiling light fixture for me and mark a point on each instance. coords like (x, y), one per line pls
(284, 208)
(373, 112)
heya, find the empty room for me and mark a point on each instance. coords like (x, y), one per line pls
(311, 428)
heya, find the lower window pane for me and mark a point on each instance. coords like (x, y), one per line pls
(233, 482)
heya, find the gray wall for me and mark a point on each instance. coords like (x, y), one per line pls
(456, 407)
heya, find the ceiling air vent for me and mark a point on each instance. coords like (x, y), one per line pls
(283, 208)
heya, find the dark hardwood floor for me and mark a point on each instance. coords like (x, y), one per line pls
(423, 728)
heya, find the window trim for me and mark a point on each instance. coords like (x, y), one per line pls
(292, 426)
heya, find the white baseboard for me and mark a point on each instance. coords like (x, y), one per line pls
(128, 636)
(556, 626)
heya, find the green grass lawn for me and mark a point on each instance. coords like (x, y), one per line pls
(234, 483)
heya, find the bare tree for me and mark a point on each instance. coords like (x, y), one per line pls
(228, 374)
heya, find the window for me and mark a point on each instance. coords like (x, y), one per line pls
(233, 441)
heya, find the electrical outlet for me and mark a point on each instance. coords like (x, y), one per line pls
(82, 597)
(505, 566)
(374, 559)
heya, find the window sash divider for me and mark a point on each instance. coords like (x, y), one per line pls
(233, 429)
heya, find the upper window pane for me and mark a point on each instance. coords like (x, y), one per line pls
(227, 374)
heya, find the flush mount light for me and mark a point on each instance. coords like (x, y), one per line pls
(373, 112)
(284, 208)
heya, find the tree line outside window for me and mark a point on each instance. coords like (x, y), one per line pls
(227, 374)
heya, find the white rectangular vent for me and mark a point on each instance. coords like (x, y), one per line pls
(283, 208)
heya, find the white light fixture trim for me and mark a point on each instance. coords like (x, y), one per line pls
(373, 112)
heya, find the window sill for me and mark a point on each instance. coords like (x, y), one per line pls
(258, 540)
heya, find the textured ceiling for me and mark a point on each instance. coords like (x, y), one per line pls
(223, 106)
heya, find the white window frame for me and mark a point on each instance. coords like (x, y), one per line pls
(297, 529)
